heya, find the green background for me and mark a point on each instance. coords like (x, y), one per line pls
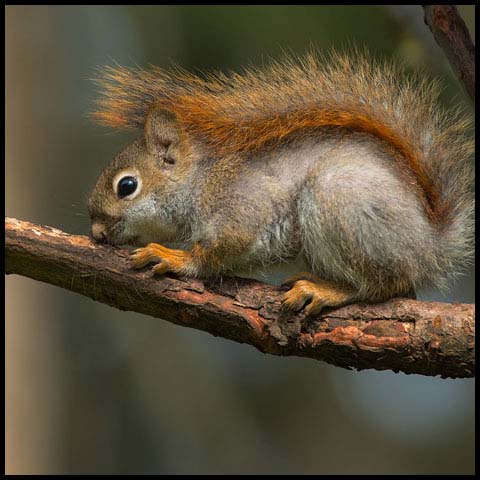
(90, 389)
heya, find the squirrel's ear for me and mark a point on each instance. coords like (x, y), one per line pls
(162, 129)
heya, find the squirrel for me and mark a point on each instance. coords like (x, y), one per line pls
(342, 160)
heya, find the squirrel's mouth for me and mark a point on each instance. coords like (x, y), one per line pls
(98, 232)
(111, 235)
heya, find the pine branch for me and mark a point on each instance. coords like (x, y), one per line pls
(401, 335)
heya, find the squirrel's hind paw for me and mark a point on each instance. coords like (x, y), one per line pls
(317, 294)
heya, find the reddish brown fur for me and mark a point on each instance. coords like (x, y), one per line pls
(239, 113)
(251, 135)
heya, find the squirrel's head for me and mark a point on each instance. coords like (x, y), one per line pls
(134, 199)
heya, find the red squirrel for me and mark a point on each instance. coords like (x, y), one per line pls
(341, 160)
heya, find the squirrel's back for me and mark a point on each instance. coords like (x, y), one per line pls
(261, 108)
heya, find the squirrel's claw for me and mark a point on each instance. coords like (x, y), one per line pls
(161, 268)
(168, 260)
(318, 295)
(295, 299)
(143, 256)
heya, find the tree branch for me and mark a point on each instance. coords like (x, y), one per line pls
(452, 36)
(400, 335)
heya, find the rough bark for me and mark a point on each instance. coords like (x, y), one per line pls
(452, 36)
(401, 335)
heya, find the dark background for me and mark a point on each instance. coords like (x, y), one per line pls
(90, 389)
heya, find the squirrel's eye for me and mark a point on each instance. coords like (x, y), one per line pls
(126, 186)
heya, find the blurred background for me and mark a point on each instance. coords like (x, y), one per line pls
(90, 389)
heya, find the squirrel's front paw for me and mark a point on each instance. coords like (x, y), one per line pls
(317, 295)
(168, 260)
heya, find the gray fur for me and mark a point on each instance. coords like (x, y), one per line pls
(339, 203)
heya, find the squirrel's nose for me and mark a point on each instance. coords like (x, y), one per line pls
(99, 232)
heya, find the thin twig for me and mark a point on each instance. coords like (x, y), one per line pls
(453, 37)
